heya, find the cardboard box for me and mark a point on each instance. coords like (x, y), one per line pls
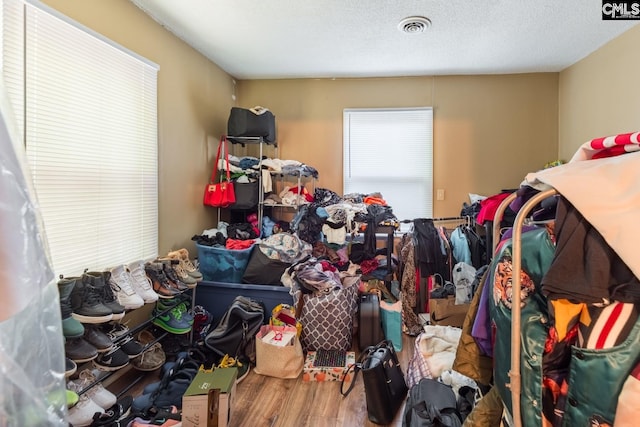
(311, 372)
(199, 401)
(445, 312)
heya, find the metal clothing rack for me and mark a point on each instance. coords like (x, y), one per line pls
(464, 220)
(243, 140)
(516, 262)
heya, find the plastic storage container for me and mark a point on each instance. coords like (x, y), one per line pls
(217, 297)
(219, 264)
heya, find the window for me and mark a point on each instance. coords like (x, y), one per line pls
(390, 151)
(87, 109)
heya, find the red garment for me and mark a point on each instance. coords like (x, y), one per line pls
(239, 244)
(327, 266)
(369, 265)
(370, 200)
(489, 206)
(303, 192)
(610, 146)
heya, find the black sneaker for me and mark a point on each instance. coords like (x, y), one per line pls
(100, 280)
(114, 414)
(78, 350)
(94, 336)
(116, 330)
(131, 347)
(86, 303)
(112, 360)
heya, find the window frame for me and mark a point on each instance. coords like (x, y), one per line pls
(384, 142)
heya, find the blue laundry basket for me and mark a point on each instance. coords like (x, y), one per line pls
(218, 264)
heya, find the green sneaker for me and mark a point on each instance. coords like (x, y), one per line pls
(72, 398)
(172, 321)
(182, 306)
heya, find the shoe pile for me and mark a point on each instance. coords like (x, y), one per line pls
(86, 413)
(110, 346)
(93, 399)
(167, 393)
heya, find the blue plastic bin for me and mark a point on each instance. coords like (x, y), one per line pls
(219, 264)
(216, 297)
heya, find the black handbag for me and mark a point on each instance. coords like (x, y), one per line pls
(384, 386)
(245, 123)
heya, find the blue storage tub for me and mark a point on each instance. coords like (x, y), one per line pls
(216, 297)
(219, 264)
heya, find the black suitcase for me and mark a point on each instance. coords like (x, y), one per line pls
(369, 324)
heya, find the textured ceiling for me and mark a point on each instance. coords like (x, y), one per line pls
(252, 39)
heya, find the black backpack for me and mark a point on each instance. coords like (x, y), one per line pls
(431, 404)
(235, 333)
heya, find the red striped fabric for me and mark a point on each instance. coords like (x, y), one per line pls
(612, 145)
(608, 326)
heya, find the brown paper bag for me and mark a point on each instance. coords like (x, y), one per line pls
(275, 360)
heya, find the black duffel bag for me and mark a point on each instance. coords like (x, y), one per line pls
(235, 332)
(255, 122)
(431, 404)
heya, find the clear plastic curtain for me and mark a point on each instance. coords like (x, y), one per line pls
(32, 389)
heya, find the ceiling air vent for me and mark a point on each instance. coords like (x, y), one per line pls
(414, 24)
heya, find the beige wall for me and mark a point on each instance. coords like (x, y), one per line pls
(489, 131)
(194, 98)
(600, 95)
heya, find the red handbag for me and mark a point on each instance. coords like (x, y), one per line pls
(221, 194)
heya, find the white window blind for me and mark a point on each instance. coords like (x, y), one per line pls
(88, 109)
(390, 151)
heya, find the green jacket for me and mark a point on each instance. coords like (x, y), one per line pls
(537, 254)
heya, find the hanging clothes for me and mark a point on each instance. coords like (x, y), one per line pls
(411, 322)
(429, 256)
(460, 245)
(585, 267)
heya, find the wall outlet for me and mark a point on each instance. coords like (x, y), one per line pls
(440, 194)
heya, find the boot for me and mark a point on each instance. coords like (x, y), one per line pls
(86, 303)
(101, 281)
(181, 274)
(170, 273)
(182, 255)
(71, 328)
(160, 283)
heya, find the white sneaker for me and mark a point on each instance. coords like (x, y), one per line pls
(140, 282)
(81, 414)
(100, 395)
(121, 286)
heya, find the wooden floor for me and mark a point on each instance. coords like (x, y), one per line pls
(265, 401)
